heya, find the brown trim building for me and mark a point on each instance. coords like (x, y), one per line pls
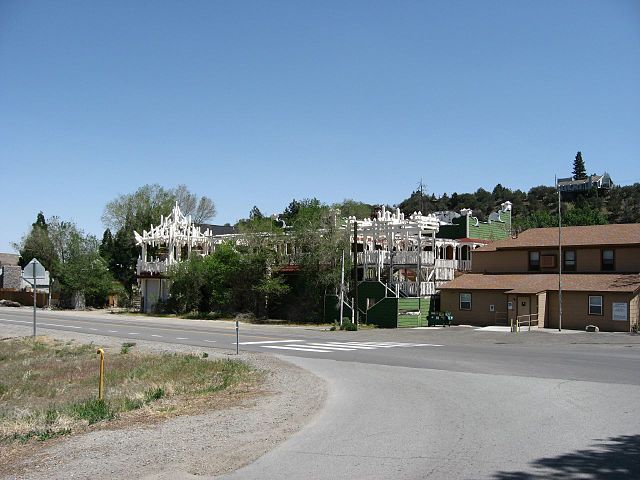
(519, 278)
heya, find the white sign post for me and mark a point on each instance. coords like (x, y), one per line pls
(33, 272)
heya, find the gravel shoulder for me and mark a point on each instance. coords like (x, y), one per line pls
(203, 446)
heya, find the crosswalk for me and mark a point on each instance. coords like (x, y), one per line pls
(328, 347)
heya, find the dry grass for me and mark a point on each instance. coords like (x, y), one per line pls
(48, 388)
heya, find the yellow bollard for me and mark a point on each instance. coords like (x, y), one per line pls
(101, 384)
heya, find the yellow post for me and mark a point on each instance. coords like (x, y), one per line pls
(101, 384)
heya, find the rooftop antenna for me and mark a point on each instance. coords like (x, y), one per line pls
(421, 187)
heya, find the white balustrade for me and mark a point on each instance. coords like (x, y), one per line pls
(158, 267)
(464, 265)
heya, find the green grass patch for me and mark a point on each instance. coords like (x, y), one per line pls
(49, 388)
(93, 411)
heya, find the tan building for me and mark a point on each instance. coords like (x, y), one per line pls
(518, 279)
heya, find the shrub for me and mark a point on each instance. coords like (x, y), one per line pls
(349, 326)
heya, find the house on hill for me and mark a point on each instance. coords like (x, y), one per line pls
(518, 278)
(597, 182)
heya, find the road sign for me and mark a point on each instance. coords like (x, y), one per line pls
(34, 269)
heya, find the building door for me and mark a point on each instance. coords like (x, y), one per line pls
(524, 306)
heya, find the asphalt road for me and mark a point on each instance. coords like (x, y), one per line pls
(432, 403)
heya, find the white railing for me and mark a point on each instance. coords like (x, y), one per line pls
(373, 257)
(464, 265)
(524, 321)
(158, 267)
(445, 273)
(411, 288)
(427, 288)
(440, 262)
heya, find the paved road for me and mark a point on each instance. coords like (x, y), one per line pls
(432, 403)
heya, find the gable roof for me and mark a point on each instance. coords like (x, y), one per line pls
(539, 282)
(592, 235)
(578, 181)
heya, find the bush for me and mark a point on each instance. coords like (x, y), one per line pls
(349, 326)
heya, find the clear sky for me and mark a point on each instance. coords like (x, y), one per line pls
(257, 103)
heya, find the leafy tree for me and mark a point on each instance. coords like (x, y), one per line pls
(60, 233)
(579, 170)
(72, 258)
(145, 206)
(255, 213)
(84, 275)
(417, 202)
(353, 208)
(201, 209)
(205, 284)
(37, 244)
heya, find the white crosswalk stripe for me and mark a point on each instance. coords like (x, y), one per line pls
(328, 347)
(284, 347)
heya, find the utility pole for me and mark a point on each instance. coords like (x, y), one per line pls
(560, 260)
(342, 288)
(355, 271)
(35, 298)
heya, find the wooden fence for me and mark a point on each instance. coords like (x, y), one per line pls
(26, 298)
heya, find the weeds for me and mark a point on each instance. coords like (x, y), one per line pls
(41, 435)
(63, 380)
(126, 347)
(153, 394)
(132, 404)
(92, 411)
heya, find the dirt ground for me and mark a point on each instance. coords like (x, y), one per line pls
(224, 438)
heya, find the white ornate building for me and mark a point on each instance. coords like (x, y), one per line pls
(403, 252)
(174, 239)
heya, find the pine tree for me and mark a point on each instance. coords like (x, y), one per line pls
(579, 170)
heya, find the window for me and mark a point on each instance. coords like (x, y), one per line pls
(465, 301)
(595, 305)
(569, 260)
(608, 259)
(534, 260)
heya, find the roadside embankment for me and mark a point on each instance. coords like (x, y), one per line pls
(172, 437)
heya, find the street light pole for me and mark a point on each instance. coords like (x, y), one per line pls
(559, 259)
(355, 271)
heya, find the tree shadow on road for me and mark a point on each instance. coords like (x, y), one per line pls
(614, 458)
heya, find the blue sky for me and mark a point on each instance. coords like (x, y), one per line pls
(257, 103)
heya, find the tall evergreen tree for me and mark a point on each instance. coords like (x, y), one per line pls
(37, 244)
(579, 170)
